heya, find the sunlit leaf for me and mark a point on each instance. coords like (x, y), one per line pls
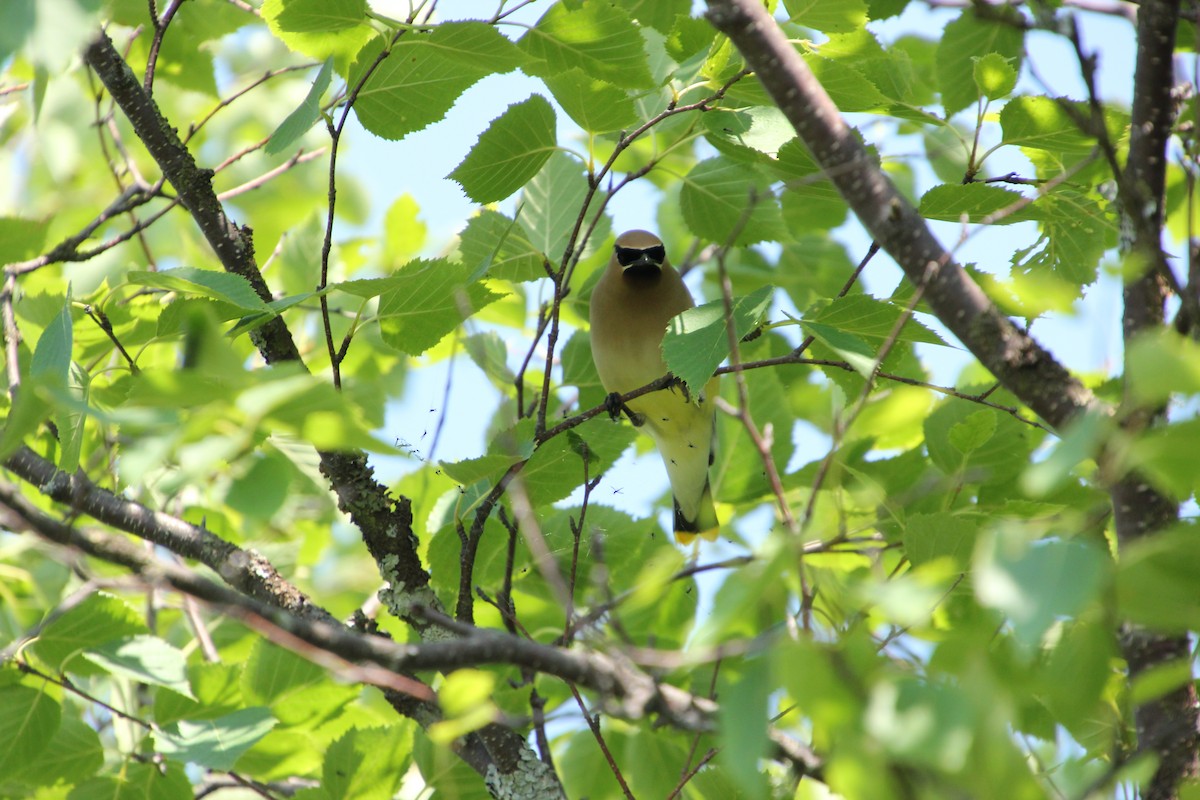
(966, 38)
(146, 659)
(509, 152)
(594, 104)
(598, 38)
(697, 341)
(723, 199)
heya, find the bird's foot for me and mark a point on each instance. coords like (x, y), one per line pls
(615, 407)
(677, 383)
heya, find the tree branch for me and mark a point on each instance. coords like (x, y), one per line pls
(1167, 725)
(233, 244)
(1022, 364)
(385, 524)
(244, 570)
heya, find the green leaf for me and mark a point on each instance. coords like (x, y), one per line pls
(28, 725)
(52, 357)
(476, 45)
(1000, 458)
(1159, 680)
(550, 205)
(1156, 580)
(340, 42)
(223, 286)
(216, 687)
(828, 16)
(973, 432)
(466, 699)
(1077, 672)
(490, 353)
(928, 537)
(71, 417)
(422, 76)
(20, 19)
(138, 781)
(749, 134)
(99, 619)
(922, 724)
(744, 729)
(1167, 456)
(367, 764)
(994, 76)
(810, 201)
(856, 327)
(306, 114)
(510, 152)
(144, 659)
(1045, 123)
(556, 468)
(74, 753)
(596, 37)
(1161, 364)
(1036, 583)
(594, 104)
(215, 743)
(51, 32)
(976, 202)
(273, 673)
(404, 232)
(488, 468)
(849, 88)
(964, 40)
(853, 350)
(496, 246)
(579, 370)
(697, 341)
(1081, 439)
(317, 16)
(874, 320)
(21, 239)
(425, 300)
(890, 70)
(1075, 233)
(720, 197)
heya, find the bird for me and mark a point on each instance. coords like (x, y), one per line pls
(633, 301)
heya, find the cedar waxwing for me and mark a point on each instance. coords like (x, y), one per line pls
(631, 305)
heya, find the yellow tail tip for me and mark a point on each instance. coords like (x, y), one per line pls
(685, 538)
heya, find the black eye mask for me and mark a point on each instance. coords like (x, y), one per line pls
(628, 255)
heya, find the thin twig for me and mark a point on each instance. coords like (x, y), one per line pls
(12, 337)
(160, 30)
(593, 723)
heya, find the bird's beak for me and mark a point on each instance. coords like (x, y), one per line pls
(642, 264)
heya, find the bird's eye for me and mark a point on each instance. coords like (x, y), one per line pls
(657, 253)
(627, 255)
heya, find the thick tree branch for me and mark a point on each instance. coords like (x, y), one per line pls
(385, 524)
(623, 689)
(244, 570)
(1017, 360)
(626, 690)
(1166, 726)
(309, 629)
(233, 244)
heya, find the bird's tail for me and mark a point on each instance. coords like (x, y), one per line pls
(705, 524)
